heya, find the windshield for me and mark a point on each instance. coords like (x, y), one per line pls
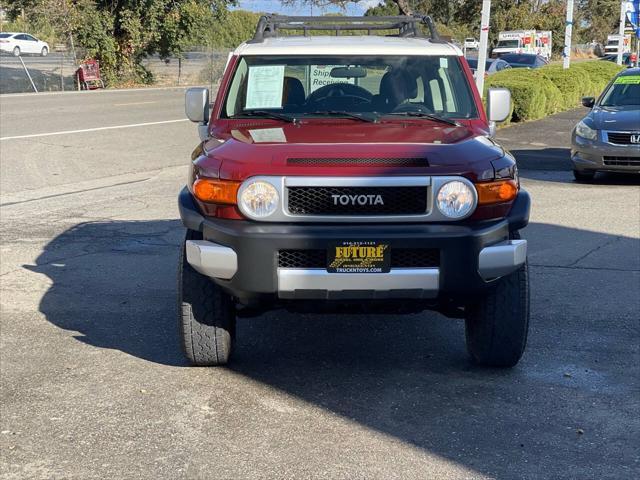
(473, 63)
(508, 44)
(5, 35)
(305, 86)
(625, 90)
(513, 58)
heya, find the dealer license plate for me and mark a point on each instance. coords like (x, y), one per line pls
(359, 257)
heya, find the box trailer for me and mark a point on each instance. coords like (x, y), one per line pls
(516, 41)
(544, 44)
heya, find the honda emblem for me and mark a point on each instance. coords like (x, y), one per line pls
(635, 138)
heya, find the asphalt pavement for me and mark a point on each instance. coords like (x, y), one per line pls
(94, 384)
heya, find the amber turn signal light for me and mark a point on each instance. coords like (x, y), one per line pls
(496, 192)
(212, 190)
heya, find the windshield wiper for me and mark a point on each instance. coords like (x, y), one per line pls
(430, 116)
(265, 114)
(343, 113)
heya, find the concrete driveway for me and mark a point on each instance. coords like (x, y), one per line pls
(94, 384)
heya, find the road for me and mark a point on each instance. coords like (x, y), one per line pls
(94, 384)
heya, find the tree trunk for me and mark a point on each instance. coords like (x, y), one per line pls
(404, 7)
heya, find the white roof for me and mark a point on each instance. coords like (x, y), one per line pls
(347, 45)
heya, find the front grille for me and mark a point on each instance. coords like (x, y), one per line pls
(358, 162)
(357, 200)
(620, 138)
(400, 258)
(302, 259)
(622, 161)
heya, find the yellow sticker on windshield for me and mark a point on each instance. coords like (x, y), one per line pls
(628, 79)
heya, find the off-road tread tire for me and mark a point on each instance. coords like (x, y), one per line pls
(496, 327)
(583, 176)
(207, 317)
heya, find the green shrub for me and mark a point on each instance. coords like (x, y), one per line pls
(600, 73)
(551, 89)
(570, 84)
(534, 95)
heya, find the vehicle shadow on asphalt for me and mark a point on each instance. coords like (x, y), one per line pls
(546, 163)
(405, 376)
(115, 284)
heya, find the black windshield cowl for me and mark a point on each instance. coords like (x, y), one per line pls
(430, 116)
(372, 118)
(265, 114)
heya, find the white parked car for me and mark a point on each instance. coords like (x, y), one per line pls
(20, 43)
(471, 43)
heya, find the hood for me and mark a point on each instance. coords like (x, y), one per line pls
(624, 118)
(340, 131)
(247, 148)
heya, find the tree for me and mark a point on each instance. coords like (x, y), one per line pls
(404, 6)
(120, 33)
(233, 28)
(601, 18)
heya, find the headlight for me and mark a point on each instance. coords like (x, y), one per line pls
(585, 131)
(259, 199)
(455, 199)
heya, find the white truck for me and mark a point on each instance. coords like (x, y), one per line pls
(523, 41)
(612, 44)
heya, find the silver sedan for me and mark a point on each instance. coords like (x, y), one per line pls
(608, 138)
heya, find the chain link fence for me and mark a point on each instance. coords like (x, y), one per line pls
(56, 72)
(199, 66)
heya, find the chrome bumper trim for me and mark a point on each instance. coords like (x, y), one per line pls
(502, 259)
(426, 280)
(211, 259)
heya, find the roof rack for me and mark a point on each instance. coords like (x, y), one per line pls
(407, 26)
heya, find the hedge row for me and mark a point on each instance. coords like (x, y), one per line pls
(551, 89)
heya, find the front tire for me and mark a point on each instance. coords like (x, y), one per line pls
(584, 176)
(44, 52)
(16, 51)
(496, 326)
(206, 316)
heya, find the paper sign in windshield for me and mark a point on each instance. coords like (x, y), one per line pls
(320, 76)
(265, 85)
(628, 80)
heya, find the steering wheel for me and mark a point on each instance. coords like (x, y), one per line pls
(340, 91)
(412, 107)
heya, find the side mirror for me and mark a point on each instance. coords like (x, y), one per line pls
(588, 102)
(196, 104)
(498, 104)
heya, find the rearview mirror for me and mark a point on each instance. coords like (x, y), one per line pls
(348, 72)
(196, 104)
(588, 102)
(498, 104)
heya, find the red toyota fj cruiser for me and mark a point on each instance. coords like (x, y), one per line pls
(352, 173)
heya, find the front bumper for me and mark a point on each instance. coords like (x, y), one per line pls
(242, 257)
(602, 156)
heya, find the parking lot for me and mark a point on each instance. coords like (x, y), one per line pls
(94, 384)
